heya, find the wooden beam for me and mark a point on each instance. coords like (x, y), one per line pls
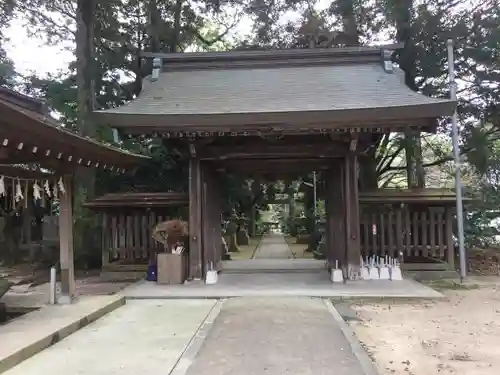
(200, 128)
(68, 286)
(273, 164)
(275, 151)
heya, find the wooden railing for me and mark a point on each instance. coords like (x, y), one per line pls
(414, 231)
(127, 237)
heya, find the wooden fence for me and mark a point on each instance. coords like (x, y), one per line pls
(127, 237)
(416, 232)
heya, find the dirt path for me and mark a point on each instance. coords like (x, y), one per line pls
(460, 336)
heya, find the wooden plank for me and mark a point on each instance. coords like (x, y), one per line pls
(137, 235)
(432, 233)
(152, 244)
(449, 238)
(366, 235)
(374, 236)
(424, 225)
(144, 232)
(408, 233)
(114, 236)
(129, 239)
(383, 250)
(399, 232)
(390, 234)
(440, 234)
(121, 234)
(415, 233)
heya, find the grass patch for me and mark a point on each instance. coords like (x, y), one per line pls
(246, 251)
(298, 250)
(450, 285)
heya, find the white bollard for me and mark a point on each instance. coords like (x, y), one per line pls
(52, 286)
(337, 276)
(212, 276)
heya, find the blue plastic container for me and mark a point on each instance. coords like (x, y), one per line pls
(152, 273)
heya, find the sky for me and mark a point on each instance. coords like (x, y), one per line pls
(31, 54)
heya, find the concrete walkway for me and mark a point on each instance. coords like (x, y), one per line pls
(292, 336)
(142, 337)
(273, 246)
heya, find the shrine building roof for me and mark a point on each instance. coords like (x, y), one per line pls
(336, 88)
(29, 134)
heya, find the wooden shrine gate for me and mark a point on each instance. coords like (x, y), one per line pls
(275, 114)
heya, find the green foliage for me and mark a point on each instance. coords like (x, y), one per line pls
(122, 29)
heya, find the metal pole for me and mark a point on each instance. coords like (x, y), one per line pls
(456, 157)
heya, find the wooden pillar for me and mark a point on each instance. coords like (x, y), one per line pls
(335, 209)
(68, 287)
(329, 213)
(195, 224)
(105, 240)
(208, 213)
(217, 219)
(352, 233)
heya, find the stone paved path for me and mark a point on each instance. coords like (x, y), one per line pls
(258, 336)
(142, 337)
(273, 246)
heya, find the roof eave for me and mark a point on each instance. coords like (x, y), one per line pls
(368, 117)
(42, 128)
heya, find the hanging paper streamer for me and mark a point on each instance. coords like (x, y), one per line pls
(37, 191)
(19, 192)
(60, 184)
(22, 189)
(46, 187)
(55, 191)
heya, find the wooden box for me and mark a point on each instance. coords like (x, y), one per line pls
(171, 268)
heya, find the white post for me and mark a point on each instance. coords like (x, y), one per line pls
(456, 157)
(52, 286)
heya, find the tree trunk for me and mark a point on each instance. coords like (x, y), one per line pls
(401, 11)
(85, 72)
(346, 10)
(176, 31)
